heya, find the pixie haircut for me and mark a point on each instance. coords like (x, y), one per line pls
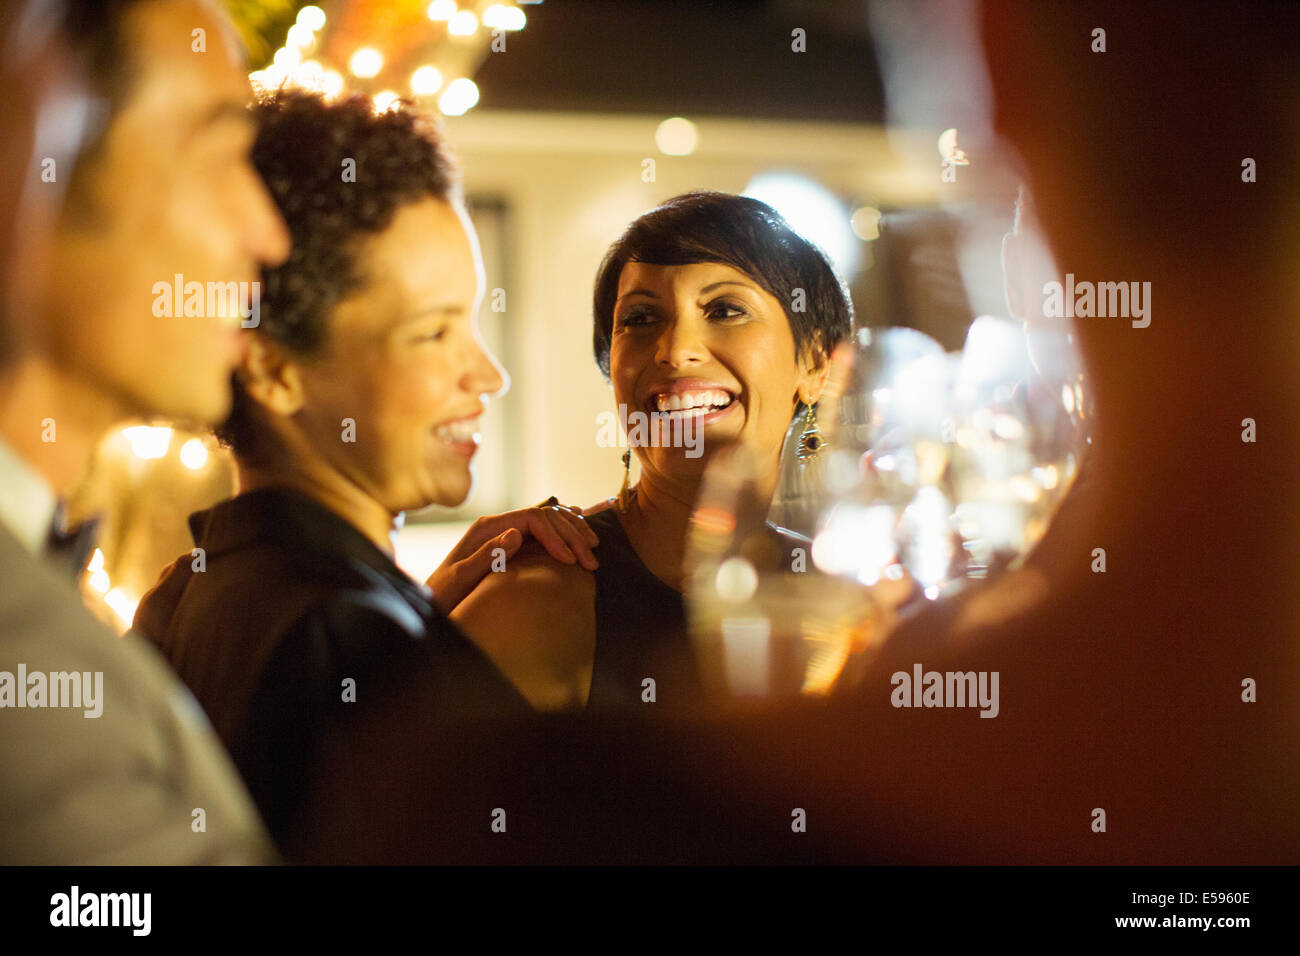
(745, 234)
(338, 171)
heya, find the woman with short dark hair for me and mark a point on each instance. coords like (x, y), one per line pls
(714, 322)
(357, 399)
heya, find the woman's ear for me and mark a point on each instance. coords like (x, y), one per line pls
(271, 377)
(814, 369)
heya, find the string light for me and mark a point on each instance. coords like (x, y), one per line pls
(442, 9)
(287, 58)
(148, 441)
(331, 83)
(366, 63)
(677, 137)
(300, 36)
(117, 600)
(123, 605)
(463, 24)
(312, 17)
(309, 76)
(98, 580)
(459, 97)
(502, 17)
(289, 65)
(194, 454)
(865, 223)
(426, 81)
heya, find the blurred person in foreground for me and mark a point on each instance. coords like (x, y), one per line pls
(1164, 691)
(104, 757)
(358, 400)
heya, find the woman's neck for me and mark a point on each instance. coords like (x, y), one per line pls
(331, 490)
(658, 520)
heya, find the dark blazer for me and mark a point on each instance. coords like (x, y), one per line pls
(285, 606)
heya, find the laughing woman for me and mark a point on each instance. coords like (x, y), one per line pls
(694, 308)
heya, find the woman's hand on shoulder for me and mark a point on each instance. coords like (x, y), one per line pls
(559, 529)
(536, 620)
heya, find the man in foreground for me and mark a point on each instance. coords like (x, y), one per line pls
(104, 757)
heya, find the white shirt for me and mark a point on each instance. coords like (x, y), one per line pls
(124, 787)
(27, 502)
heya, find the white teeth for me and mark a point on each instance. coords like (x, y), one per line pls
(691, 412)
(703, 401)
(462, 431)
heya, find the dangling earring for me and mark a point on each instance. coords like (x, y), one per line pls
(625, 493)
(810, 441)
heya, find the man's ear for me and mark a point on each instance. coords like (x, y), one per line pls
(1011, 278)
(271, 377)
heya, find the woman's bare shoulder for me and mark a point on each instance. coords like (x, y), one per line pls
(533, 576)
(604, 504)
(536, 620)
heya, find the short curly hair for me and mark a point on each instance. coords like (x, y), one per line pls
(746, 234)
(339, 171)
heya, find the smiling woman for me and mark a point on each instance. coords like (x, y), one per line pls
(713, 321)
(358, 398)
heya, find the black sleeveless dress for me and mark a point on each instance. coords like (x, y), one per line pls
(641, 631)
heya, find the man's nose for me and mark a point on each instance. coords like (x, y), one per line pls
(268, 235)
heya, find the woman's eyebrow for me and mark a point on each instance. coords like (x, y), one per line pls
(706, 289)
(713, 285)
(645, 292)
(448, 310)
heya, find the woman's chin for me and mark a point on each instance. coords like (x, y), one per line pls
(685, 462)
(446, 490)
